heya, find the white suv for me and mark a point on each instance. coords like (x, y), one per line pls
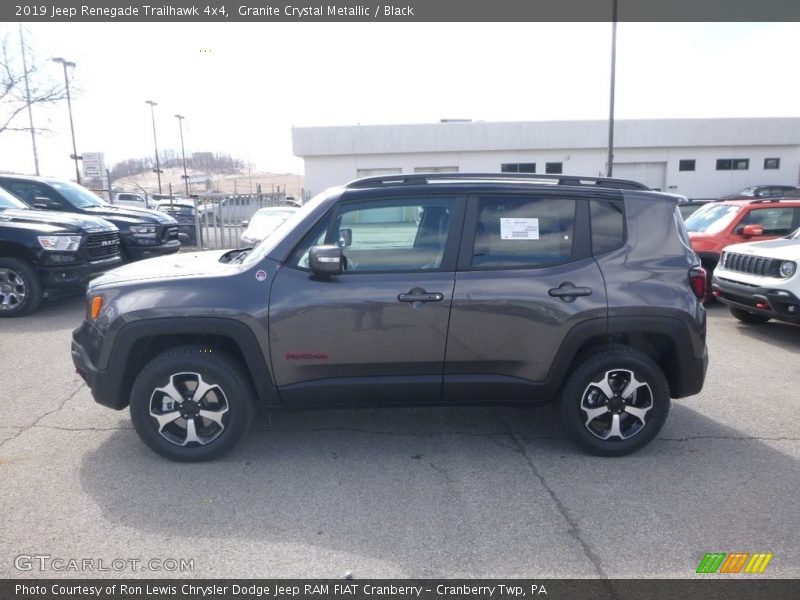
(759, 281)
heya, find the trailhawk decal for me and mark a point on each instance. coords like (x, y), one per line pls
(306, 356)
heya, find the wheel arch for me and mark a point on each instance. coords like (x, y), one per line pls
(138, 342)
(670, 342)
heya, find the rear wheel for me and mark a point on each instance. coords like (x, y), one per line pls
(191, 404)
(747, 317)
(20, 288)
(615, 402)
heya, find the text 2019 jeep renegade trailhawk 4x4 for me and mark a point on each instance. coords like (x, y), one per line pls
(416, 289)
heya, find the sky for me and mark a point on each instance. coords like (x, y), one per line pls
(243, 86)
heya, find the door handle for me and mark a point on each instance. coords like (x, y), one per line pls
(569, 291)
(414, 296)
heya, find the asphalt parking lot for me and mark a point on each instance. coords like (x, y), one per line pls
(468, 492)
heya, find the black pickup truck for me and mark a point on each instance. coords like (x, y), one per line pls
(143, 233)
(44, 254)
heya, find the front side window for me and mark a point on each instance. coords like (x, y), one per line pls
(385, 235)
(774, 221)
(523, 232)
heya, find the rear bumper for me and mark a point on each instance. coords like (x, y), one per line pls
(774, 303)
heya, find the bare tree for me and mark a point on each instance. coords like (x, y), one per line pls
(13, 98)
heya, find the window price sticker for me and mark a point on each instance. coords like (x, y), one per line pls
(519, 229)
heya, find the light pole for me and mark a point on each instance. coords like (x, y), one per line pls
(74, 156)
(610, 169)
(155, 141)
(183, 153)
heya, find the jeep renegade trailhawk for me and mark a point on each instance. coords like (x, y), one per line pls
(413, 289)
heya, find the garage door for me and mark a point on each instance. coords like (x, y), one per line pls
(652, 174)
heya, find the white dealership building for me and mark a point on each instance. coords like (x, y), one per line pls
(701, 158)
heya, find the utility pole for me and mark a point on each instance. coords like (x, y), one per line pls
(155, 141)
(610, 168)
(28, 99)
(183, 153)
(74, 156)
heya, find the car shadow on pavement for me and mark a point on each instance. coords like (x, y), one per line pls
(785, 335)
(461, 492)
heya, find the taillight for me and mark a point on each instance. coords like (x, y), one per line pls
(698, 279)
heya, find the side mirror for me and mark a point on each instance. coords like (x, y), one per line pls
(45, 203)
(752, 230)
(325, 260)
(345, 237)
(245, 223)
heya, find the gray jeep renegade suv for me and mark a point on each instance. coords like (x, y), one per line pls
(414, 289)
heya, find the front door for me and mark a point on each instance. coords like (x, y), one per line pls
(377, 332)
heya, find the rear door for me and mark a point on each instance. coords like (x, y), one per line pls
(377, 332)
(525, 278)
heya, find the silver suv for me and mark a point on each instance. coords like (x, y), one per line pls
(419, 289)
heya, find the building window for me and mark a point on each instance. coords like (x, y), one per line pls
(518, 168)
(555, 168)
(772, 163)
(733, 164)
(688, 165)
(435, 169)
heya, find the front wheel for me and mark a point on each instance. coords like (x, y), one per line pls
(191, 404)
(20, 289)
(615, 402)
(747, 317)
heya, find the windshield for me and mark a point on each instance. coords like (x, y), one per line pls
(296, 217)
(77, 195)
(712, 218)
(9, 201)
(268, 220)
(749, 191)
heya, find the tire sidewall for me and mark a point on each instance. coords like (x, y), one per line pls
(573, 418)
(217, 370)
(33, 296)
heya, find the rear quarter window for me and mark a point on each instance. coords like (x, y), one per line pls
(608, 225)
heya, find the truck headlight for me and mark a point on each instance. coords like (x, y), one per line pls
(787, 268)
(145, 231)
(65, 243)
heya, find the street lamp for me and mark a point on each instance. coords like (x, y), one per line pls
(610, 169)
(74, 156)
(155, 141)
(183, 153)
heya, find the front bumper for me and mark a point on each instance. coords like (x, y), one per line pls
(770, 302)
(66, 278)
(141, 252)
(106, 389)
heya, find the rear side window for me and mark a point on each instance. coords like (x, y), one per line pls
(523, 232)
(608, 225)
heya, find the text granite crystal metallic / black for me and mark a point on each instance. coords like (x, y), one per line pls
(425, 289)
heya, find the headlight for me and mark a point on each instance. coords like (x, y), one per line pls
(787, 268)
(144, 230)
(68, 243)
(724, 260)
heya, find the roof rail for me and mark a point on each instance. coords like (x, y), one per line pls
(423, 178)
(784, 198)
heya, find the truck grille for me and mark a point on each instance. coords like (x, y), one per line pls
(102, 245)
(169, 233)
(754, 265)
